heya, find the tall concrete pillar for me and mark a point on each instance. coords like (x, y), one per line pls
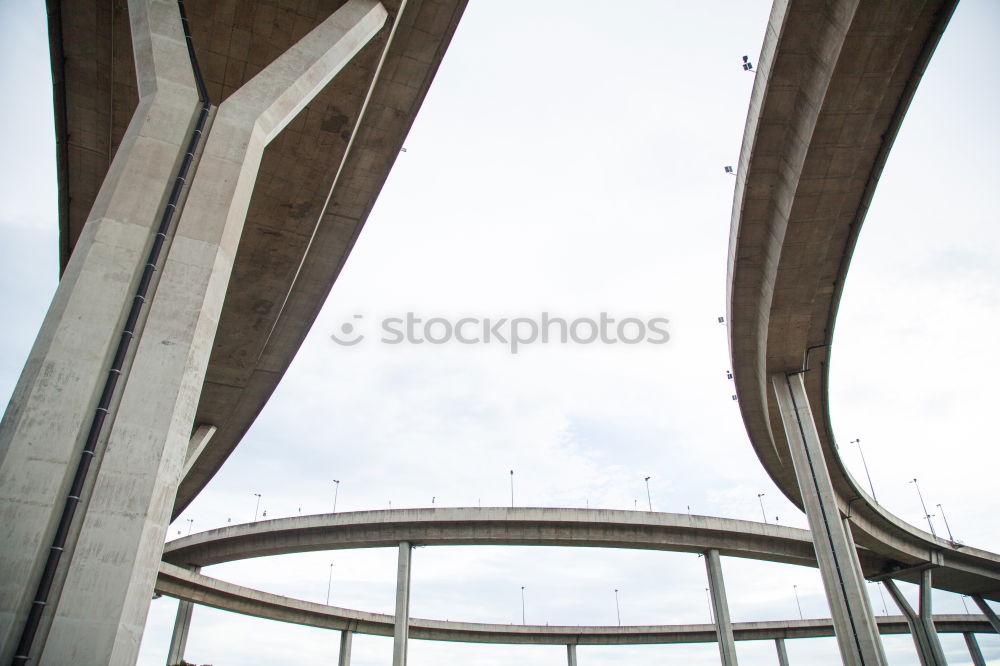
(853, 621)
(401, 633)
(178, 640)
(96, 595)
(988, 612)
(182, 625)
(720, 608)
(346, 638)
(927, 617)
(928, 647)
(779, 645)
(974, 651)
(571, 655)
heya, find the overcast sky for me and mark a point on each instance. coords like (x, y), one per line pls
(569, 159)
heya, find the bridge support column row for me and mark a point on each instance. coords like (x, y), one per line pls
(853, 621)
(94, 439)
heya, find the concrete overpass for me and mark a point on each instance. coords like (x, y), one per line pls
(183, 558)
(831, 91)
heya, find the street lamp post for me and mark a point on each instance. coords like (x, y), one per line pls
(946, 525)
(863, 462)
(329, 583)
(649, 497)
(522, 604)
(336, 491)
(190, 522)
(795, 588)
(927, 514)
(256, 508)
(618, 608)
(759, 495)
(512, 489)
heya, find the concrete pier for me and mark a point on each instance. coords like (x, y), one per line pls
(974, 651)
(89, 557)
(720, 608)
(571, 655)
(857, 633)
(346, 639)
(779, 646)
(178, 640)
(401, 631)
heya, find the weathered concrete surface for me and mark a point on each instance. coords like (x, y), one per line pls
(181, 583)
(49, 416)
(101, 611)
(295, 239)
(836, 554)
(831, 90)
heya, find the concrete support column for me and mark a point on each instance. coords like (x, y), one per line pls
(988, 612)
(779, 645)
(974, 651)
(927, 617)
(51, 411)
(853, 621)
(346, 638)
(720, 608)
(99, 603)
(928, 655)
(401, 634)
(178, 640)
(571, 655)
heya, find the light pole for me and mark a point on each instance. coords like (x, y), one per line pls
(618, 608)
(759, 495)
(885, 611)
(795, 588)
(336, 491)
(329, 582)
(946, 525)
(649, 497)
(256, 508)
(190, 522)
(512, 489)
(924, 506)
(863, 462)
(522, 605)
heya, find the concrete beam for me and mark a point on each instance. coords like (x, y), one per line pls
(182, 583)
(401, 630)
(720, 608)
(857, 632)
